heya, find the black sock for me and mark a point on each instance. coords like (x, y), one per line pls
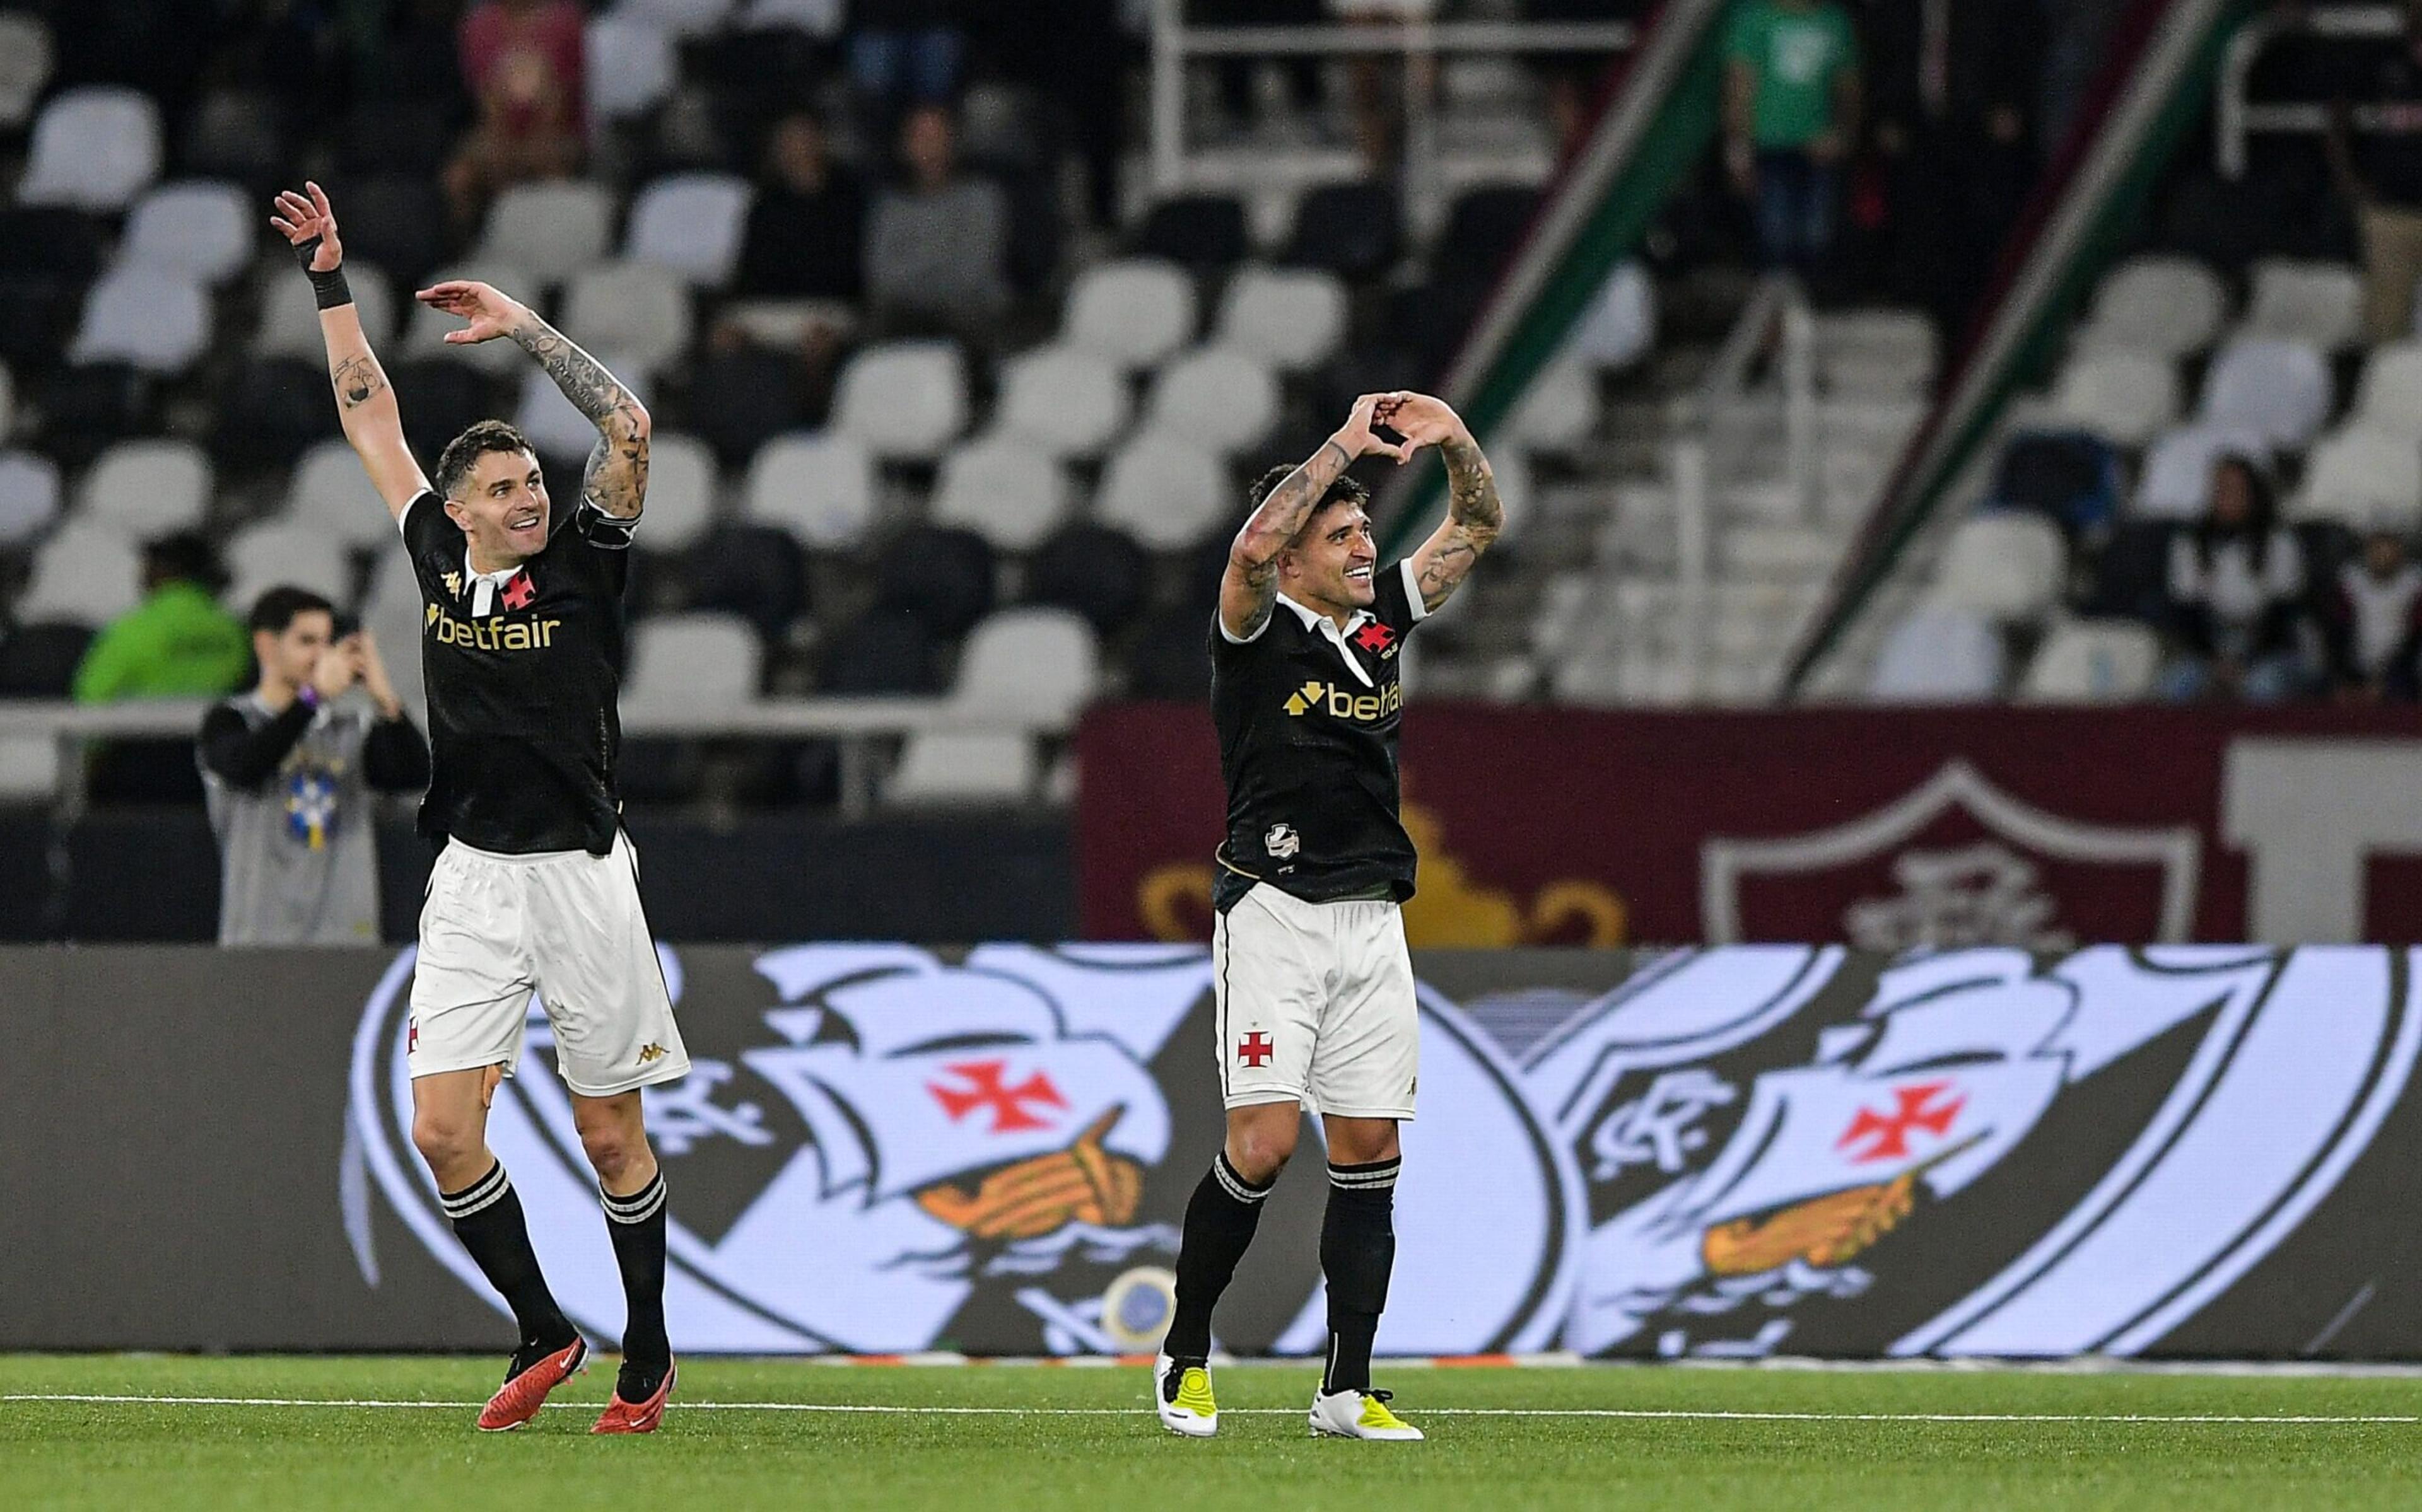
(488, 1219)
(1219, 1222)
(1357, 1249)
(637, 1224)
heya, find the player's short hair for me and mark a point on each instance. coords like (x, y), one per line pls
(1345, 490)
(463, 452)
(275, 611)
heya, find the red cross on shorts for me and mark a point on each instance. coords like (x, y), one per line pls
(1375, 637)
(1254, 1049)
(1890, 1130)
(983, 1089)
(520, 592)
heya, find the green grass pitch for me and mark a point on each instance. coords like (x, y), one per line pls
(1029, 1437)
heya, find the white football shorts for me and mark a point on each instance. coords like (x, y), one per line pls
(565, 925)
(1315, 1004)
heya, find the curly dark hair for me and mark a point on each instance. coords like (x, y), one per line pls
(1345, 490)
(455, 463)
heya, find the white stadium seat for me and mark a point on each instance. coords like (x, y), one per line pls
(550, 229)
(2278, 386)
(1166, 491)
(157, 321)
(285, 553)
(393, 590)
(681, 492)
(2390, 395)
(553, 425)
(289, 315)
(143, 489)
(1025, 665)
(691, 223)
(2005, 566)
(29, 496)
(906, 400)
(632, 67)
(2364, 478)
(2093, 661)
(1134, 311)
(25, 58)
(1620, 325)
(1938, 655)
(2126, 395)
(330, 493)
(1292, 318)
(681, 18)
(1005, 490)
(818, 486)
(1069, 402)
(424, 332)
(1558, 412)
(2162, 306)
(944, 767)
(200, 227)
(1221, 400)
(87, 573)
(94, 149)
(2317, 301)
(2175, 483)
(693, 664)
(636, 308)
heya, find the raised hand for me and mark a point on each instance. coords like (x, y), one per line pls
(1357, 438)
(1422, 420)
(491, 314)
(338, 668)
(300, 218)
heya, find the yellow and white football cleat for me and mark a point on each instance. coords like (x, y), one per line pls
(1355, 1414)
(1183, 1398)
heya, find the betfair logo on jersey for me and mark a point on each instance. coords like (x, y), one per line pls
(491, 634)
(1366, 708)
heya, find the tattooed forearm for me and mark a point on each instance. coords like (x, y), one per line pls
(1474, 516)
(592, 390)
(357, 380)
(1284, 511)
(616, 475)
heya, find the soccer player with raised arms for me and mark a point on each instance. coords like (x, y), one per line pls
(537, 888)
(1314, 1005)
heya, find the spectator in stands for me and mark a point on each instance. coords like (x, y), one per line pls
(937, 243)
(178, 642)
(1791, 112)
(2373, 626)
(289, 767)
(2381, 177)
(806, 229)
(521, 60)
(2237, 594)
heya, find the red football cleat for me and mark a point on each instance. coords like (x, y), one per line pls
(518, 1400)
(637, 1417)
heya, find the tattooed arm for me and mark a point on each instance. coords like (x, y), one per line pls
(1474, 513)
(616, 478)
(1249, 588)
(365, 404)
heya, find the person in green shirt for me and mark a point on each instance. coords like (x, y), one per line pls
(1791, 113)
(178, 642)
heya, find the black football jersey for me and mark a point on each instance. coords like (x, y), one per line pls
(1307, 716)
(523, 675)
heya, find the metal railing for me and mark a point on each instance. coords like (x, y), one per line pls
(2239, 118)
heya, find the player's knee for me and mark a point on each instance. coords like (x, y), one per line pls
(612, 1150)
(445, 1140)
(1260, 1151)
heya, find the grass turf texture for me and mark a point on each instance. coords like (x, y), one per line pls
(1083, 1438)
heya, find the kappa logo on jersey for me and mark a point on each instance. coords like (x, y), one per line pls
(453, 584)
(971, 1149)
(1282, 841)
(1340, 703)
(490, 634)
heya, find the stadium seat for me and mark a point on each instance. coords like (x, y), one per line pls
(637, 309)
(1070, 403)
(85, 407)
(818, 486)
(1028, 663)
(1485, 226)
(94, 149)
(47, 259)
(1354, 230)
(942, 576)
(906, 400)
(1620, 325)
(199, 227)
(1938, 655)
(2390, 396)
(1203, 232)
(678, 18)
(1166, 491)
(2007, 567)
(1134, 311)
(2160, 306)
(883, 651)
(153, 320)
(2125, 394)
(1220, 400)
(2277, 386)
(1003, 489)
(441, 399)
(2320, 303)
(1558, 413)
(549, 420)
(2364, 478)
(39, 661)
(396, 223)
(290, 315)
(691, 223)
(632, 67)
(2093, 661)
(741, 399)
(695, 663)
(330, 493)
(234, 133)
(424, 332)
(681, 492)
(944, 767)
(266, 555)
(2175, 481)
(1171, 657)
(1292, 318)
(29, 496)
(86, 573)
(25, 59)
(271, 411)
(755, 571)
(141, 488)
(549, 229)
(1093, 570)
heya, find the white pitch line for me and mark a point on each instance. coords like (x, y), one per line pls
(1645, 1413)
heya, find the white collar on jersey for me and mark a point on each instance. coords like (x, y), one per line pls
(1314, 620)
(484, 587)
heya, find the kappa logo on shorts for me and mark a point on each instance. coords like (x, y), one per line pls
(652, 1052)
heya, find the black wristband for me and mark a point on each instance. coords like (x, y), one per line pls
(328, 288)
